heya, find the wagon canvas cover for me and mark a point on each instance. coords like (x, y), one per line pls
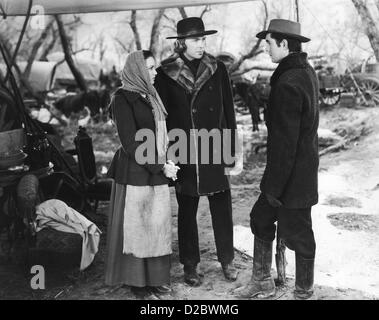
(20, 7)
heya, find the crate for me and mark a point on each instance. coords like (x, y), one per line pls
(347, 100)
(329, 81)
(56, 249)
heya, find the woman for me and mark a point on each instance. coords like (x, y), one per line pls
(139, 226)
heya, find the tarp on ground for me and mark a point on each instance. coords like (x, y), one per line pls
(20, 7)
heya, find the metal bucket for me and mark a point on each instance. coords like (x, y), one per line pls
(11, 142)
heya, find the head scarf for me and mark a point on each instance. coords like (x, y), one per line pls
(135, 77)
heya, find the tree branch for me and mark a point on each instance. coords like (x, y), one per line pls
(171, 20)
(206, 9)
(255, 49)
(121, 44)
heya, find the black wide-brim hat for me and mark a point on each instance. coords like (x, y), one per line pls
(191, 27)
(288, 28)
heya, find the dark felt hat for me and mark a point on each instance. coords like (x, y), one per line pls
(288, 28)
(191, 27)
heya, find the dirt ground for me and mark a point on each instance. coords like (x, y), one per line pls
(345, 223)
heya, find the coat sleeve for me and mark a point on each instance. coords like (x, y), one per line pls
(126, 127)
(161, 87)
(227, 97)
(283, 138)
(228, 106)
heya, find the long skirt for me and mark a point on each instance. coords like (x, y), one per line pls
(123, 268)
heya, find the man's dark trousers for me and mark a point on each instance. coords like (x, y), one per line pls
(221, 211)
(294, 226)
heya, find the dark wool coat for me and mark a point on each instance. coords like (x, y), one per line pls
(204, 103)
(131, 112)
(292, 143)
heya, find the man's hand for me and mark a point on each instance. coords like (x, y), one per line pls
(273, 201)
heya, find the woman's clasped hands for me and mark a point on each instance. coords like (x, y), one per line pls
(170, 170)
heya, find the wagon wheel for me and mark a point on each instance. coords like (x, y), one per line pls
(370, 90)
(330, 98)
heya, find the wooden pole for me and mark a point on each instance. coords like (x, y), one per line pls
(280, 259)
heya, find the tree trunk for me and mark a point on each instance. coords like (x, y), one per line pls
(67, 53)
(154, 40)
(49, 47)
(183, 12)
(35, 48)
(371, 29)
(133, 25)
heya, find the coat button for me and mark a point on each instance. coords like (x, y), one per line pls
(211, 109)
(210, 88)
(194, 110)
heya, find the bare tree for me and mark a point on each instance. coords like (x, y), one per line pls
(154, 38)
(36, 46)
(255, 49)
(370, 24)
(133, 25)
(68, 55)
(183, 12)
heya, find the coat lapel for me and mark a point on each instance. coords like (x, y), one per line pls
(177, 70)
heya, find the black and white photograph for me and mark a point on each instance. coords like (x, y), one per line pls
(216, 151)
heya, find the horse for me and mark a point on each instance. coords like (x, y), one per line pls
(254, 97)
(95, 101)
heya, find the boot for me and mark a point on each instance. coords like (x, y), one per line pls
(191, 277)
(304, 278)
(262, 284)
(230, 271)
(143, 293)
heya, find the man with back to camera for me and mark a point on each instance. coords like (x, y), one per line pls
(195, 89)
(289, 183)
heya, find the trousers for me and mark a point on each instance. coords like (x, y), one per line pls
(221, 212)
(294, 226)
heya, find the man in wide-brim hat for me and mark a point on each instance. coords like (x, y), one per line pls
(196, 91)
(289, 184)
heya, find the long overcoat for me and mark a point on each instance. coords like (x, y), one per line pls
(292, 145)
(201, 102)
